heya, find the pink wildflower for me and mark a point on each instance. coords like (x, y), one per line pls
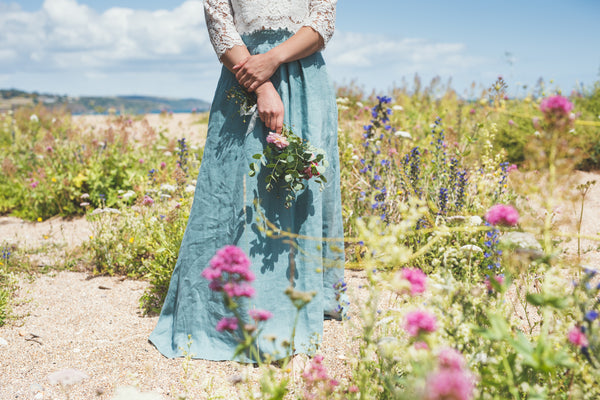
(502, 214)
(472, 111)
(497, 278)
(141, 160)
(451, 359)
(421, 346)
(417, 278)
(233, 260)
(259, 315)
(49, 149)
(278, 140)
(392, 151)
(238, 290)
(34, 184)
(577, 337)
(227, 324)
(511, 122)
(353, 389)
(449, 384)
(163, 165)
(418, 322)
(512, 167)
(556, 105)
(318, 383)
(147, 201)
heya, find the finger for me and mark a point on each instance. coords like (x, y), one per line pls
(241, 63)
(279, 123)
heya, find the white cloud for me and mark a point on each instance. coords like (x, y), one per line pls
(67, 35)
(361, 51)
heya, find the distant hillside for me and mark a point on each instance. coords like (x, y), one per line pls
(12, 98)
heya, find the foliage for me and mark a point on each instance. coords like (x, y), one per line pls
(426, 184)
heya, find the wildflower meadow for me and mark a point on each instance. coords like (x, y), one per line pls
(475, 283)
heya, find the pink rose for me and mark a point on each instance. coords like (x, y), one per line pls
(278, 140)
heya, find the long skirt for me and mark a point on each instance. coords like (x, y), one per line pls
(232, 208)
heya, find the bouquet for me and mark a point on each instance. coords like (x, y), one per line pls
(291, 161)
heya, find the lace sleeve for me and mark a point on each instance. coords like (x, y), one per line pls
(221, 29)
(322, 18)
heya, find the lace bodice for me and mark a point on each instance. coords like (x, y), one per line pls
(227, 20)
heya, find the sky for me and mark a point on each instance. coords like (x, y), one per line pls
(161, 48)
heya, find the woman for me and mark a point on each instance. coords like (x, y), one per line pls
(271, 48)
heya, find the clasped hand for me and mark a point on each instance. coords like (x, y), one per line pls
(255, 70)
(253, 73)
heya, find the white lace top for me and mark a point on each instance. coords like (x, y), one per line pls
(228, 19)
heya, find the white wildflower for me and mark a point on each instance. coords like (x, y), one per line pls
(342, 100)
(128, 194)
(160, 147)
(536, 133)
(471, 248)
(342, 107)
(85, 196)
(190, 188)
(194, 148)
(403, 134)
(475, 220)
(167, 154)
(361, 105)
(34, 118)
(165, 187)
(397, 107)
(165, 196)
(355, 157)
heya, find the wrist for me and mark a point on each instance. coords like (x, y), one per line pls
(277, 56)
(267, 85)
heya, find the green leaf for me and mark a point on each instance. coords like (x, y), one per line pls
(257, 156)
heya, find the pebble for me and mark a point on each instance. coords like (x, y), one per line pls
(38, 396)
(36, 388)
(3, 342)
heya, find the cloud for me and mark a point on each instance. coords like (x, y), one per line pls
(66, 35)
(356, 51)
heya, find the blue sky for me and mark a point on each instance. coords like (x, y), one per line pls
(91, 47)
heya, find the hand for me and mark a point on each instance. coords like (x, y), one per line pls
(253, 71)
(270, 107)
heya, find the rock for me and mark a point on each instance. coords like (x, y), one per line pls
(67, 376)
(3, 342)
(132, 393)
(38, 396)
(521, 240)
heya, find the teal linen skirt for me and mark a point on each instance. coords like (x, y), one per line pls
(229, 208)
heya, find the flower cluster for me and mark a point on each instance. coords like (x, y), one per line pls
(291, 161)
(419, 322)
(415, 278)
(318, 383)
(229, 272)
(502, 214)
(556, 110)
(451, 380)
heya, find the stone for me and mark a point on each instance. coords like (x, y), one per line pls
(3, 342)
